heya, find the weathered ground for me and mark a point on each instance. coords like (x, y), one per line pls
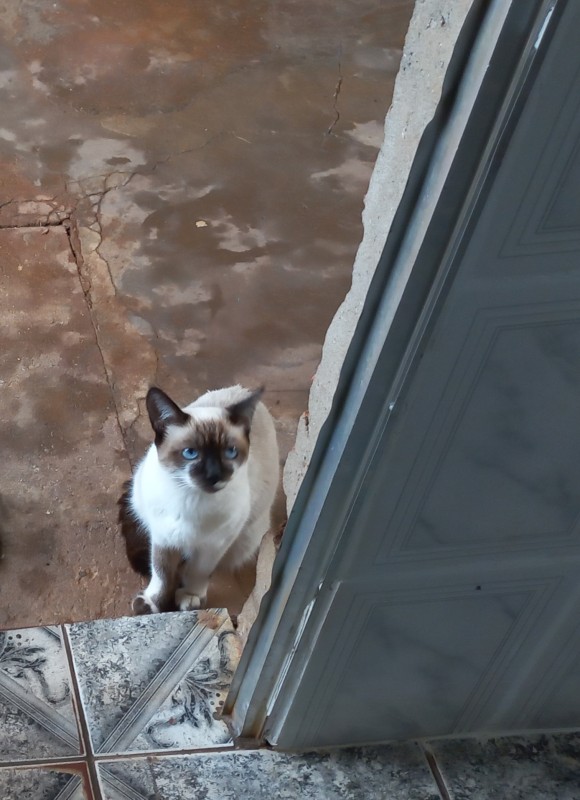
(181, 188)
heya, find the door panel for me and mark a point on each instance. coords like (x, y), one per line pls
(451, 605)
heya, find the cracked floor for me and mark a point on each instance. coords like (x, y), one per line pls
(181, 187)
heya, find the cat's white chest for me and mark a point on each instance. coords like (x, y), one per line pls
(185, 517)
(202, 519)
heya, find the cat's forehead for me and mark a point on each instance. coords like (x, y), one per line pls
(206, 414)
(205, 428)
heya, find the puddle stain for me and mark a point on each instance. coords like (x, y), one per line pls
(140, 124)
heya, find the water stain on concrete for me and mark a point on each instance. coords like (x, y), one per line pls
(201, 168)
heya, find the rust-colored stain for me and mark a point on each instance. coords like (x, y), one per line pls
(199, 170)
(209, 619)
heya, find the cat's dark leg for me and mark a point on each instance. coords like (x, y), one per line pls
(136, 539)
(160, 594)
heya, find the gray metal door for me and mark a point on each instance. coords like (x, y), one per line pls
(450, 600)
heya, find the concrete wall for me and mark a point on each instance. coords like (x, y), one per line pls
(433, 31)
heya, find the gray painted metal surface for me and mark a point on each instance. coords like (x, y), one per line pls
(448, 599)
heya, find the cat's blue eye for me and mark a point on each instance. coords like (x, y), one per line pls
(190, 454)
(231, 452)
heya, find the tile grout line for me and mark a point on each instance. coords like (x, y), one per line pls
(67, 761)
(43, 763)
(84, 732)
(435, 772)
(170, 751)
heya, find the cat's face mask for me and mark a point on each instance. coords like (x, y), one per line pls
(203, 449)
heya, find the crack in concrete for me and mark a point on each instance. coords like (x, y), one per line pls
(85, 282)
(91, 191)
(335, 97)
(96, 198)
(97, 207)
(15, 227)
(141, 407)
(84, 278)
(86, 287)
(55, 217)
(171, 156)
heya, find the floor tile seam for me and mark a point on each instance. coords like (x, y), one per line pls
(100, 758)
(43, 763)
(435, 771)
(84, 732)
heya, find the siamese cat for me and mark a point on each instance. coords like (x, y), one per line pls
(202, 494)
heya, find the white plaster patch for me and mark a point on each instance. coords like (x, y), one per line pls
(30, 207)
(161, 59)
(129, 126)
(286, 80)
(335, 248)
(352, 175)
(87, 72)
(7, 76)
(170, 191)
(26, 414)
(93, 155)
(368, 133)
(7, 135)
(141, 325)
(248, 267)
(35, 122)
(119, 206)
(288, 367)
(190, 344)
(174, 295)
(236, 239)
(35, 68)
(377, 58)
(71, 338)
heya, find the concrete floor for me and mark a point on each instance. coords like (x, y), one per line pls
(181, 187)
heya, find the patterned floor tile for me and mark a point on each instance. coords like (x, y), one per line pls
(43, 784)
(383, 773)
(37, 718)
(154, 683)
(518, 768)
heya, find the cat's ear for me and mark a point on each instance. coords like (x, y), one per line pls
(163, 411)
(241, 413)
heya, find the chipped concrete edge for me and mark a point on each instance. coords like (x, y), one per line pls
(433, 31)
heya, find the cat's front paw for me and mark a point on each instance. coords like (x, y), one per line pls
(143, 605)
(186, 601)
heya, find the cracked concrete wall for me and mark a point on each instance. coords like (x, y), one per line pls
(434, 29)
(432, 34)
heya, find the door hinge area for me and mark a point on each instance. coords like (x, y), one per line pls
(290, 655)
(293, 668)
